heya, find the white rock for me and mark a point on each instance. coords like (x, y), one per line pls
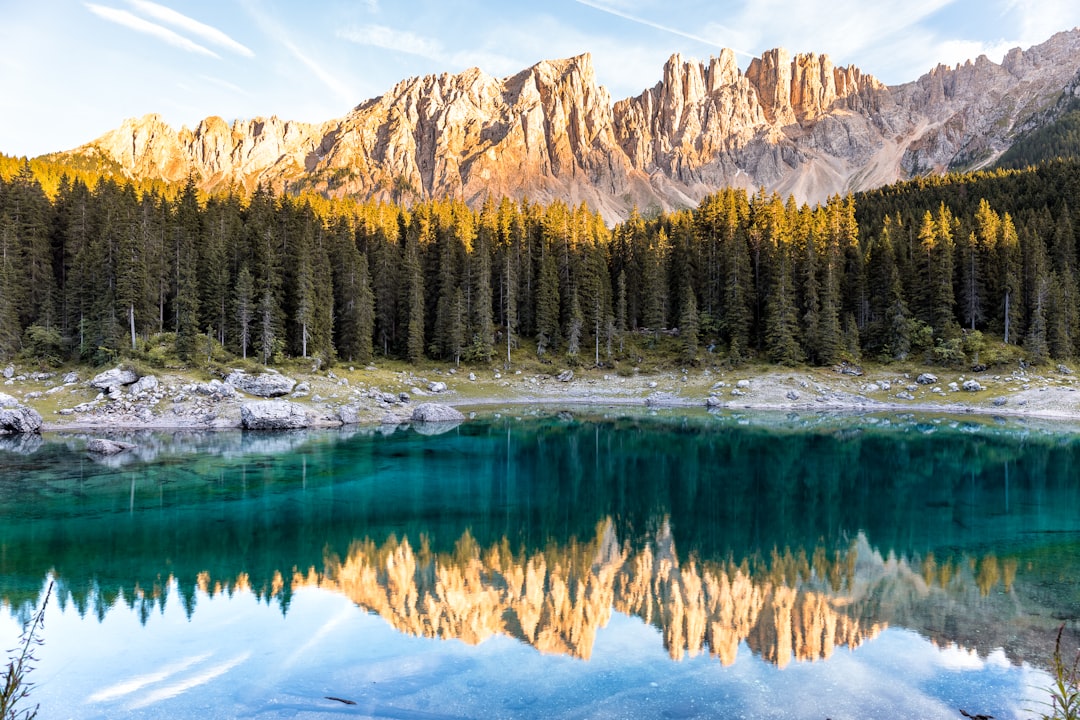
(115, 377)
(19, 420)
(266, 384)
(273, 415)
(436, 412)
(101, 446)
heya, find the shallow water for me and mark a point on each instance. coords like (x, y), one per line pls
(717, 565)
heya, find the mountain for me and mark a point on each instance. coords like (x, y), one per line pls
(793, 124)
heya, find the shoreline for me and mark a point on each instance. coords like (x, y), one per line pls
(374, 396)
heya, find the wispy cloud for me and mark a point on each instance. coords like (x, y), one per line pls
(202, 30)
(655, 25)
(274, 30)
(398, 40)
(325, 76)
(138, 24)
(225, 84)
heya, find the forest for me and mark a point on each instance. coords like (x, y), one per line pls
(960, 270)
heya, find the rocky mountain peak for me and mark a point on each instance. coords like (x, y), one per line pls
(794, 124)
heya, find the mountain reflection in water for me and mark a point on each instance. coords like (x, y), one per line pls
(792, 542)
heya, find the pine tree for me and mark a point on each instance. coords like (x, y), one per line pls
(482, 328)
(781, 314)
(688, 324)
(186, 239)
(244, 308)
(547, 305)
(1010, 267)
(414, 299)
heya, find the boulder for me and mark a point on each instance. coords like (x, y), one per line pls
(713, 401)
(436, 412)
(8, 400)
(904, 396)
(792, 395)
(101, 446)
(349, 414)
(19, 420)
(565, 376)
(273, 415)
(1064, 370)
(743, 384)
(9, 372)
(926, 379)
(268, 384)
(1000, 401)
(71, 377)
(972, 386)
(436, 387)
(114, 378)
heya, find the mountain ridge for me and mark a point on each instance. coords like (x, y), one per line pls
(793, 124)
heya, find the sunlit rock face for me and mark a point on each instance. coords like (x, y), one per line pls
(797, 125)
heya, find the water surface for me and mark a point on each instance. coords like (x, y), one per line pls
(717, 565)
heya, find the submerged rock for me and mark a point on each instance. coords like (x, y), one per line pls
(101, 446)
(273, 415)
(268, 384)
(19, 420)
(436, 412)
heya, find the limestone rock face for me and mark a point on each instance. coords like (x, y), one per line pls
(273, 415)
(19, 420)
(796, 125)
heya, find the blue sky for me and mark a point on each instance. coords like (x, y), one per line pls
(71, 69)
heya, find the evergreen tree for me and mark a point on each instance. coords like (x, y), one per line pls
(688, 324)
(186, 241)
(244, 308)
(1009, 263)
(414, 299)
(781, 314)
(547, 305)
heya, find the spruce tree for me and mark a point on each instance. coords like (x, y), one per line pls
(547, 305)
(688, 324)
(244, 308)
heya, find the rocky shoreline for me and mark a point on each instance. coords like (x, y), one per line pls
(121, 399)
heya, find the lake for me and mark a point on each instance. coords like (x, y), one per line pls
(536, 564)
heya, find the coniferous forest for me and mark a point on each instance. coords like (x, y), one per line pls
(961, 269)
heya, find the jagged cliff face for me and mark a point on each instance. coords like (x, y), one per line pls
(796, 125)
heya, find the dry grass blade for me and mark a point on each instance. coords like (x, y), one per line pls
(15, 687)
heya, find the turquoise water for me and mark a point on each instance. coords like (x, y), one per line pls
(716, 565)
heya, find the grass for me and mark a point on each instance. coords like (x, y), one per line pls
(1064, 701)
(15, 689)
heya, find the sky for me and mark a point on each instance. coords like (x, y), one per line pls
(70, 70)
